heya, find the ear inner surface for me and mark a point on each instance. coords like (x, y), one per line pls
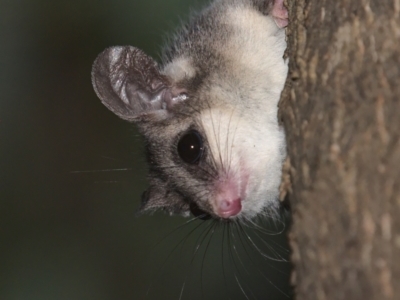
(128, 82)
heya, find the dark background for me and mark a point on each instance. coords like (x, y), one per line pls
(67, 223)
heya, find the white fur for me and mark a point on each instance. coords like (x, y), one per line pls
(179, 69)
(251, 138)
(256, 51)
(250, 148)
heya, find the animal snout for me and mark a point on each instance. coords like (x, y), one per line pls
(229, 207)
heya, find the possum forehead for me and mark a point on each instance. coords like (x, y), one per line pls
(255, 48)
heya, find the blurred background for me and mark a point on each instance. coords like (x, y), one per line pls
(71, 173)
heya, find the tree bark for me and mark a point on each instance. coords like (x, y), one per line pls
(341, 112)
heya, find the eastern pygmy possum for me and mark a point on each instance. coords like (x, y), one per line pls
(208, 112)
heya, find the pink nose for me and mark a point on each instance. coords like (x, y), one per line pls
(229, 207)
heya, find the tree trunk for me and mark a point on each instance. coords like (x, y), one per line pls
(341, 112)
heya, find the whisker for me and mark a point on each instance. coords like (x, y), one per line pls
(255, 246)
(222, 258)
(237, 254)
(103, 170)
(273, 249)
(252, 224)
(199, 241)
(204, 256)
(258, 269)
(181, 242)
(176, 229)
(229, 154)
(168, 167)
(108, 182)
(216, 137)
(270, 248)
(234, 264)
(183, 287)
(241, 288)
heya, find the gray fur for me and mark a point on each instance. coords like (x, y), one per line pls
(197, 74)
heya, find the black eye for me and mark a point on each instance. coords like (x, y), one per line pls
(190, 147)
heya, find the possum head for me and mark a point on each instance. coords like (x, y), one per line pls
(208, 115)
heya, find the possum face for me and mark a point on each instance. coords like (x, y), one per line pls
(210, 165)
(208, 115)
(206, 156)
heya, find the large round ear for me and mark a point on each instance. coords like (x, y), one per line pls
(128, 83)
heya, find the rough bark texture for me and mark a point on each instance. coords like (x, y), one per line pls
(341, 111)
